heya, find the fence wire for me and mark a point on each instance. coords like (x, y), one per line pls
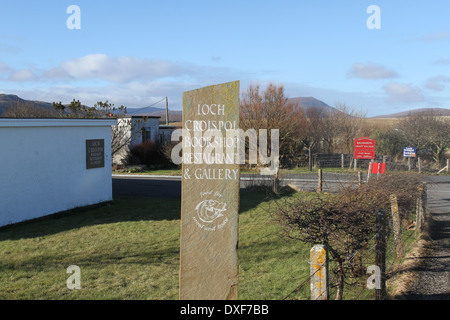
(423, 163)
(356, 265)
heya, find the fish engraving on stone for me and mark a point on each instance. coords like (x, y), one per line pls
(210, 210)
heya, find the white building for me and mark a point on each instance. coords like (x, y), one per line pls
(131, 131)
(53, 165)
(165, 132)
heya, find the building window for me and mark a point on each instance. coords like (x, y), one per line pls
(146, 134)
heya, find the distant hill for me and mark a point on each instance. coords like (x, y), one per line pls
(310, 102)
(174, 116)
(7, 100)
(441, 111)
(177, 116)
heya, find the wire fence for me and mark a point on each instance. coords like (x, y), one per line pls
(422, 164)
(349, 279)
(306, 181)
(356, 274)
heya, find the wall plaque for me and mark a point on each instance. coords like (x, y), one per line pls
(95, 153)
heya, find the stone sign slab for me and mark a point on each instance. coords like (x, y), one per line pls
(210, 194)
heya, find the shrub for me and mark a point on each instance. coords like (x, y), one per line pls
(148, 153)
(345, 222)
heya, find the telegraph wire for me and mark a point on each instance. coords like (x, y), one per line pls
(134, 111)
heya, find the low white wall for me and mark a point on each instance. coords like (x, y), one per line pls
(43, 166)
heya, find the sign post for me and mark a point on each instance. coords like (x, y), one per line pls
(210, 194)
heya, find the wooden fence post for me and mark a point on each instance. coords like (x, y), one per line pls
(380, 253)
(319, 273)
(342, 161)
(397, 226)
(320, 188)
(369, 173)
(419, 216)
(419, 212)
(276, 182)
(424, 202)
(359, 178)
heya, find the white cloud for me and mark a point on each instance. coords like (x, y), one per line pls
(371, 71)
(22, 76)
(437, 83)
(131, 81)
(120, 70)
(438, 36)
(133, 95)
(4, 69)
(442, 61)
(403, 92)
(115, 69)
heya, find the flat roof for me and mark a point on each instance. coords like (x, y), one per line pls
(140, 115)
(55, 122)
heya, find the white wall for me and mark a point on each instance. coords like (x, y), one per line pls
(132, 133)
(138, 124)
(43, 166)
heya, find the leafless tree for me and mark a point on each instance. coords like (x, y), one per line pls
(316, 131)
(345, 124)
(427, 130)
(269, 109)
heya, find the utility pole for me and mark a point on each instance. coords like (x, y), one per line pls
(167, 111)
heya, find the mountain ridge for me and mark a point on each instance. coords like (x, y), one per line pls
(442, 111)
(176, 116)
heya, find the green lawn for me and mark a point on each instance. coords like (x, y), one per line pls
(129, 249)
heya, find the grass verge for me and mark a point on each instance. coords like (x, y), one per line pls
(129, 249)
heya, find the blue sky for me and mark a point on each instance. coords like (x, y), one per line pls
(137, 52)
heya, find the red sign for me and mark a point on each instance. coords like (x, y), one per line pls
(364, 148)
(378, 168)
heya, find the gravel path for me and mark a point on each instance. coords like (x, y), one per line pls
(433, 273)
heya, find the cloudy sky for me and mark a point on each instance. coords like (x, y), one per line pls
(135, 53)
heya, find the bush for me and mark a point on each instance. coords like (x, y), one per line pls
(148, 153)
(345, 222)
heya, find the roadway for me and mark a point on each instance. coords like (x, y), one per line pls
(170, 186)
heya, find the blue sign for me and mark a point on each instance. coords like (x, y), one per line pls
(409, 152)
